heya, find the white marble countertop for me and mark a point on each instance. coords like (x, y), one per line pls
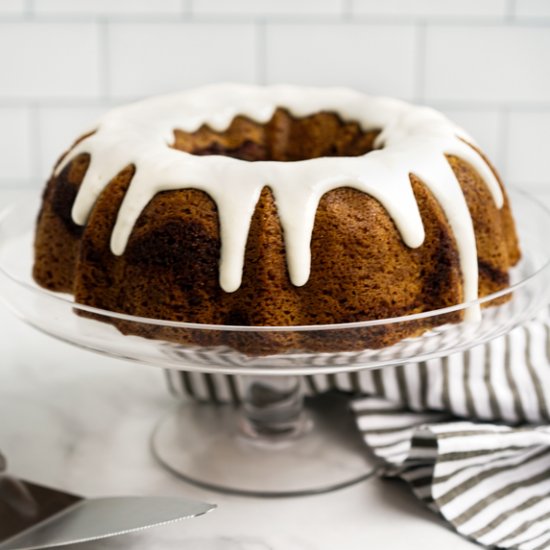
(82, 422)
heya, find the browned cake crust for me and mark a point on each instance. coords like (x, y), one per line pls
(361, 269)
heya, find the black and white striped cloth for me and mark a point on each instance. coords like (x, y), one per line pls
(469, 433)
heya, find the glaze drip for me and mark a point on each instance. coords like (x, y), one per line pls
(413, 140)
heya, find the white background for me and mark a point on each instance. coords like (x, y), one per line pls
(486, 63)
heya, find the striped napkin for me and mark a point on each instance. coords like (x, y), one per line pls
(469, 433)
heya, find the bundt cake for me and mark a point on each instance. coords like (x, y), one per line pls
(277, 206)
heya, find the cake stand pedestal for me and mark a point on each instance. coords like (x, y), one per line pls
(272, 446)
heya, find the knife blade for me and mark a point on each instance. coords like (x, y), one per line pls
(59, 518)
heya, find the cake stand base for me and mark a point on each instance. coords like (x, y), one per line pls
(203, 444)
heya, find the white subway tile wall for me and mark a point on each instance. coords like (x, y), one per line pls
(485, 63)
(378, 58)
(488, 63)
(15, 144)
(12, 7)
(151, 58)
(49, 60)
(533, 8)
(528, 147)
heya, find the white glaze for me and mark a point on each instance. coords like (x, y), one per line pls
(414, 140)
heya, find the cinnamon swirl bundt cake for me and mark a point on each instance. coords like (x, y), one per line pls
(278, 206)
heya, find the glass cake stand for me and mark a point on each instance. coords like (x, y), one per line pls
(272, 445)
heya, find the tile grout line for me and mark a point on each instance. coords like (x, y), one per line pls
(510, 16)
(36, 149)
(347, 10)
(103, 58)
(420, 64)
(502, 150)
(298, 19)
(186, 8)
(28, 9)
(261, 52)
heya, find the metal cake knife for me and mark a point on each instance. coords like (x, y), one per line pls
(35, 517)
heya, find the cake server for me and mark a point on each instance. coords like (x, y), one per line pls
(34, 517)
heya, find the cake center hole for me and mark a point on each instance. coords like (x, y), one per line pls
(283, 138)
